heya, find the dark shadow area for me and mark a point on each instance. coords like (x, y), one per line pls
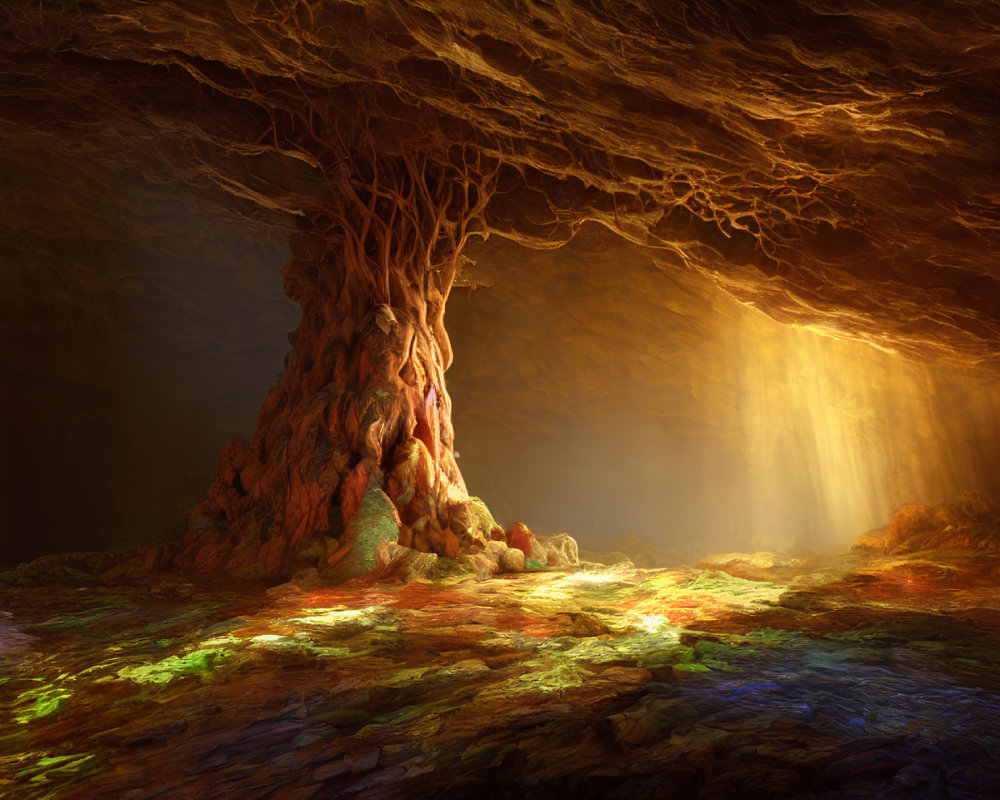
(138, 337)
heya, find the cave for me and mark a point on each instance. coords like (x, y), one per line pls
(536, 399)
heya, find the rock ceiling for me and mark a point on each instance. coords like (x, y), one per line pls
(834, 163)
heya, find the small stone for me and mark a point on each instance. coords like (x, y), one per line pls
(560, 550)
(512, 560)
(523, 539)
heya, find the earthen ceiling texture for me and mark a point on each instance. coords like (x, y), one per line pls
(833, 162)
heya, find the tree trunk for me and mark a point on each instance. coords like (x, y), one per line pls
(355, 443)
(358, 425)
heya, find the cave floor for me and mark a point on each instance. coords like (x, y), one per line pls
(834, 677)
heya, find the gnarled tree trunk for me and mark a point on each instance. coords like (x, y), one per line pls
(355, 443)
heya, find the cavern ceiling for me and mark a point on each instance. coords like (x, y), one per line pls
(830, 162)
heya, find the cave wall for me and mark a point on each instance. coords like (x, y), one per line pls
(619, 399)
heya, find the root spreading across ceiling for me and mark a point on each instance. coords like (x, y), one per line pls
(830, 162)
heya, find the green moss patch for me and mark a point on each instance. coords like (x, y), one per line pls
(198, 662)
(373, 523)
(39, 702)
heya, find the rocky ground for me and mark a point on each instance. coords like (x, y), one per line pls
(863, 675)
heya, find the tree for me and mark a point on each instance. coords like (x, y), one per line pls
(355, 443)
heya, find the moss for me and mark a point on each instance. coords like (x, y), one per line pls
(375, 407)
(482, 519)
(724, 587)
(52, 774)
(374, 522)
(194, 663)
(445, 568)
(40, 702)
(476, 756)
(689, 666)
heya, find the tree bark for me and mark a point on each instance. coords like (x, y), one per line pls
(359, 423)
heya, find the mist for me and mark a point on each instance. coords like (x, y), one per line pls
(643, 409)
